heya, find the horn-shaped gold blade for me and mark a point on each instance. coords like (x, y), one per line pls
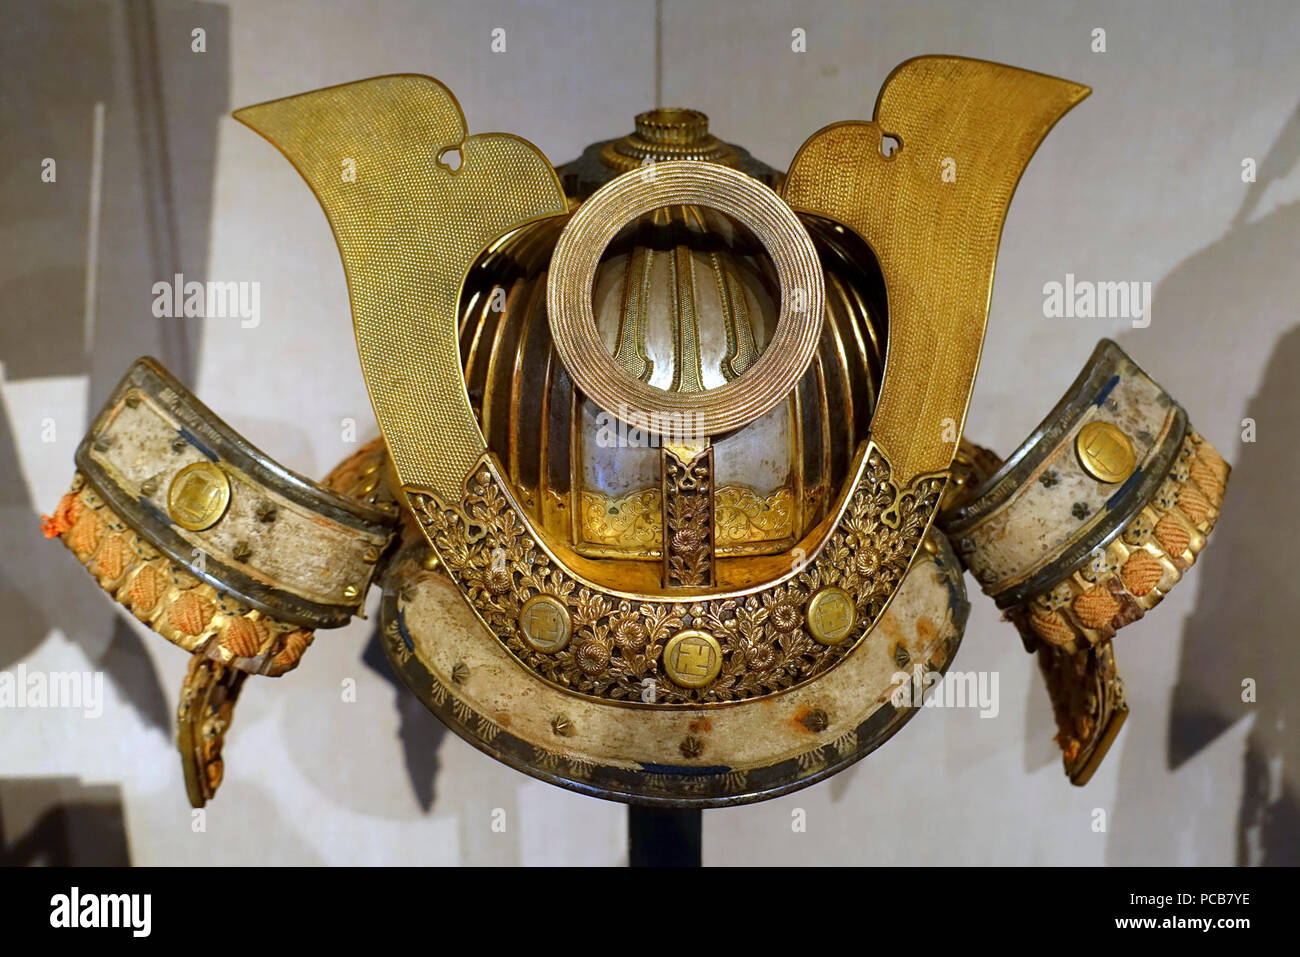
(933, 213)
(409, 227)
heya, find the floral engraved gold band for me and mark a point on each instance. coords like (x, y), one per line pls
(769, 639)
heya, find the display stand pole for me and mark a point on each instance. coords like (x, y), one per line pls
(663, 837)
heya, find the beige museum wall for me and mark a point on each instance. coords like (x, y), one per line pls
(1141, 182)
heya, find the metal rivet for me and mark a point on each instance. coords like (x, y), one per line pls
(132, 400)
(149, 486)
(370, 556)
(241, 552)
(562, 726)
(103, 443)
(351, 591)
(815, 721)
(692, 747)
(459, 672)
(265, 511)
(179, 444)
(430, 562)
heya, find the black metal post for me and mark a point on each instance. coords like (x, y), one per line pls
(663, 837)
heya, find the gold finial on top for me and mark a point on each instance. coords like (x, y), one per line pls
(667, 133)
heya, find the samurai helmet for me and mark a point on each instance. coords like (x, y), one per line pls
(671, 504)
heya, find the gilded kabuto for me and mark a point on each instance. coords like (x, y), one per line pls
(671, 493)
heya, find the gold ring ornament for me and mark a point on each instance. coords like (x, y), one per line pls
(689, 183)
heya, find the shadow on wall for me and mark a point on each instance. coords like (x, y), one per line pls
(1247, 601)
(60, 822)
(126, 70)
(158, 104)
(420, 732)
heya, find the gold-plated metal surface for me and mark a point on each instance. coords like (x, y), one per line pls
(545, 624)
(409, 227)
(935, 235)
(684, 632)
(776, 478)
(831, 615)
(744, 521)
(692, 658)
(688, 526)
(690, 411)
(198, 496)
(631, 350)
(1105, 452)
(667, 133)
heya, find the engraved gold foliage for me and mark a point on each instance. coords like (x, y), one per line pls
(741, 517)
(634, 520)
(617, 641)
(688, 518)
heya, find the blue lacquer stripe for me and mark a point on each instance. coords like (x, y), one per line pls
(193, 439)
(1124, 489)
(1106, 390)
